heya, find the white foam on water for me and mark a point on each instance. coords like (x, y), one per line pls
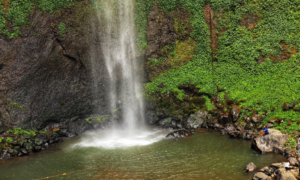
(111, 139)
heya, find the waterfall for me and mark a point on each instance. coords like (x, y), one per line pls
(119, 53)
(122, 72)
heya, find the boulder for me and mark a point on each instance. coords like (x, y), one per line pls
(5, 155)
(270, 125)
(266, 170)
(229, 128)
(196, 120)
(167, 122)
(250, 167)
(23, 151)
(282, 174)
(247, 135)
(277, 165)
(293, 161)
(261, 176)
(38, 141)
(151, 117)
(28, 146)
(235, 111)
(37, 148)
(268, 142)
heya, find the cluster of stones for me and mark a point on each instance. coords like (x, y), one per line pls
(23, 144)
(275, 170)
(273, 142)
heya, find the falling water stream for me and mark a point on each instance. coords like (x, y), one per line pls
(125, 93)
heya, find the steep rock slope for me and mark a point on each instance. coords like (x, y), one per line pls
(46, 71)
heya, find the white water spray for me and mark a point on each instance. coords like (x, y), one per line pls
(119, 51)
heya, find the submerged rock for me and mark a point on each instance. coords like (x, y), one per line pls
(250, 167)
(179, 134)
(268, 142)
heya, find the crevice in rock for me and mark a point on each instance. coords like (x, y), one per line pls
(70, 57)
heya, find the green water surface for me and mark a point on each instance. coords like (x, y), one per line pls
(204, 156)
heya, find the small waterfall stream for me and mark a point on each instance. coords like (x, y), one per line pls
(124, 92)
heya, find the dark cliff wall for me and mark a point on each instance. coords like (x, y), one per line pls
(45, 74)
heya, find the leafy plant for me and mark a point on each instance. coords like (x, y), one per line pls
(62, 29)
(290, 143)
(20, 131)
(16, 105)
(52, 5)
(156, 62)
(99, 119)
(9, 139)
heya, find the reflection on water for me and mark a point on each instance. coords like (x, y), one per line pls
(203, 156)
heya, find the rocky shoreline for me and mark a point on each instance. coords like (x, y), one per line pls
(18, 142)
(23, 143)
(273, 142)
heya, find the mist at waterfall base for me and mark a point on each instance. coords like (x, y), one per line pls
(124, 90)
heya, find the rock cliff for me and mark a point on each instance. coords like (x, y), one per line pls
(46, 76)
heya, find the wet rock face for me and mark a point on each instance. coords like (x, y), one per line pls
(269, 142)
(151, 117)
(47, 75)
(160, 31)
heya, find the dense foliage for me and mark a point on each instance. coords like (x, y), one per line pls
(142, 9)
(19, 11)
(261, 86)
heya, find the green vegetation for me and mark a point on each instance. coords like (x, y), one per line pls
(257, 65)
(208, 103)
(16, 105)
(2, 20)
(290, 143)
(52, 5)
(20, 131)
(62, 29)
(9, 139)
(157, 62)
(19, 11)
(142, 9)
(99, 119)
